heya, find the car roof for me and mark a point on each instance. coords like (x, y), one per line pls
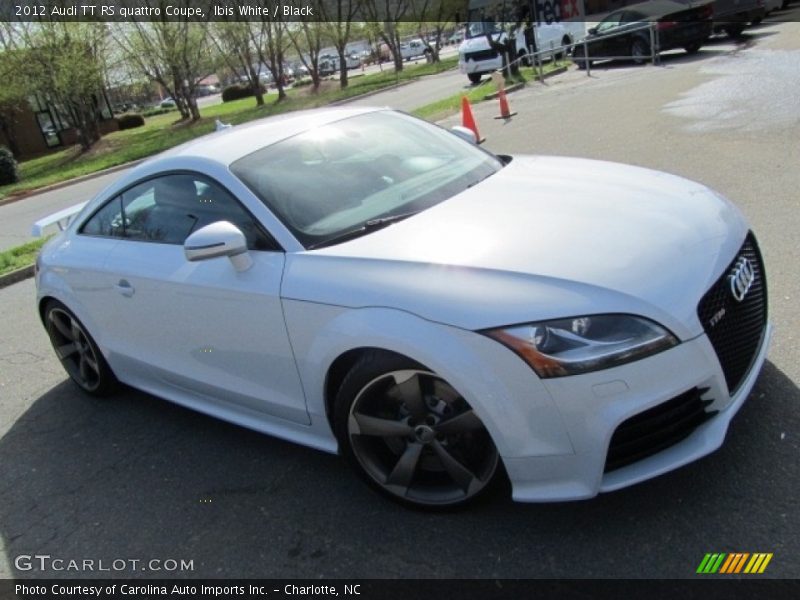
(230, 144)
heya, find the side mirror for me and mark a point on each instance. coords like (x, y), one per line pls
(465, 133)
(592, 31)
(218, 239)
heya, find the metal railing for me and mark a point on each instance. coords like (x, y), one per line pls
(537, 58)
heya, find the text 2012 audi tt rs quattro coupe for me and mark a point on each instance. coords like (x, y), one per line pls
(361, 281)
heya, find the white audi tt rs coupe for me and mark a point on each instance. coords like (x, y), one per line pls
(363, 282)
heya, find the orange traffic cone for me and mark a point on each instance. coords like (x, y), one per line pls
(505, 111)
(468, 121)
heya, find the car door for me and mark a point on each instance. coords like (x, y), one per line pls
(607, 44)
(200, 330)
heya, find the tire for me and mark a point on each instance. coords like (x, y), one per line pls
(693, 48)
(734, 30)
(579, 57)
(411, 436)
(640, 51)
(524, 59)
(475, 78)
(78, 352)
(566, 42)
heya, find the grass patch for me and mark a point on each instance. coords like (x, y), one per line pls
(161, 132)
(20, 256)
(445, 107)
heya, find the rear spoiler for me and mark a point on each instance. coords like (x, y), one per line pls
(61, 218)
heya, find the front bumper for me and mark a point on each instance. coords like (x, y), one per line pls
(593, 405)
(480, 67)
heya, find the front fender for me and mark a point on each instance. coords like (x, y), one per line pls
(517, 410)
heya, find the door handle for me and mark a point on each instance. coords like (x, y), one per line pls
(124, 287)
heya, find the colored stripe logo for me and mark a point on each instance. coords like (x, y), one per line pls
(735, 562)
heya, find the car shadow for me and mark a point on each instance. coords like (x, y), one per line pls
(135, 477)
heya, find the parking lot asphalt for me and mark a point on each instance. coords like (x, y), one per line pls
(136, 477)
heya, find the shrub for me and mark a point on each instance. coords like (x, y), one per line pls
(8, 167)
(237, 91)
(130, 121)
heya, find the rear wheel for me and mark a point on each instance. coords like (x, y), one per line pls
(474, 77)
(77, 351)
(693, 48)
(565, 45)
(411, 435)
(524, 58)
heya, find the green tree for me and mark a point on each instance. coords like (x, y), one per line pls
(234, 42)
(61, 63)
(175, 54)
(337, 18)
(306, 37)
(391, 14)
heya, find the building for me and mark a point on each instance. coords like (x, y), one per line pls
(39, 126)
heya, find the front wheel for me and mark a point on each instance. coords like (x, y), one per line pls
(77, 351)
(693, 48)
(734, 30)
(640, 51)
(579, 57)
(411, 435)
(475, 78)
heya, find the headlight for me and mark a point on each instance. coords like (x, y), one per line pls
(583, 344)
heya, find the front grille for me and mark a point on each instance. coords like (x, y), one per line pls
(734, 327)
(657, 428)
(481, 55)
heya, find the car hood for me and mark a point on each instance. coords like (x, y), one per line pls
(476, 43)
(545, 237)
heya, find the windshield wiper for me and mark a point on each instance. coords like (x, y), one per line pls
(367, 227)
(484, 178)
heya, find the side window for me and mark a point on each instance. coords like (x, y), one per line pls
(609, 23)
(106, 222)
(632, 17)
(167, 209)
(216, 204)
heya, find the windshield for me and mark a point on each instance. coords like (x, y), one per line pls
(334, 179)
(481, 28)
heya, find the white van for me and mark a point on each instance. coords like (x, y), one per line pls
(476, 57)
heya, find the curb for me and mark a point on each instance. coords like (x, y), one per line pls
(16, 276)
(79, 179)
(508, 90)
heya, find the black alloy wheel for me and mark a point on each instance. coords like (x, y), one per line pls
(411, 435)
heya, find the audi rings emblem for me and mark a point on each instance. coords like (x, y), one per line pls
(741, 278)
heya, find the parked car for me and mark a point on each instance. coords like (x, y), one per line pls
(206, 90)
(167, 103)
(328, 64)
(413, 49)
(456, 37)
(732, 16)
(627, 32)
(439, 311)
